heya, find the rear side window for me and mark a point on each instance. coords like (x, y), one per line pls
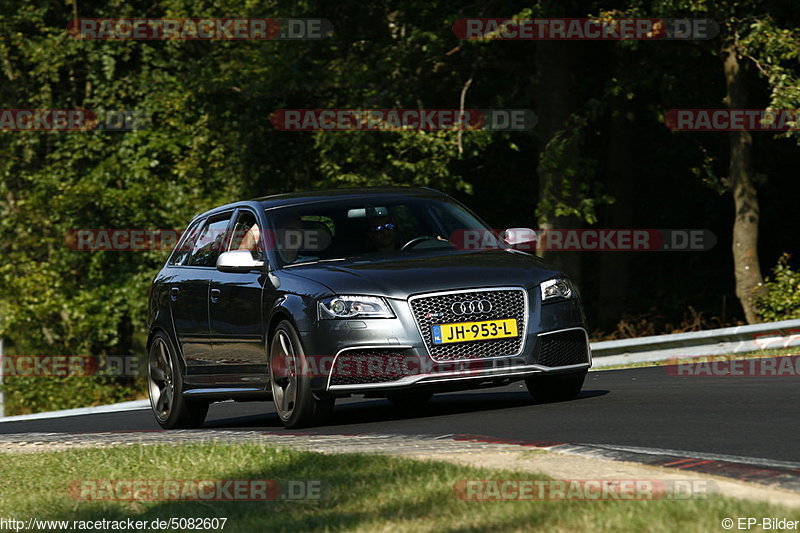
(184, 249)
(210, 241)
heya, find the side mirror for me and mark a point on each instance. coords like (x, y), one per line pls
(520, 238)
(238, 261)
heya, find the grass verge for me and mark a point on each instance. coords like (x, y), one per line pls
(361, 493)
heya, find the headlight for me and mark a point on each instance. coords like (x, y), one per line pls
(354, 307)
(553, 289)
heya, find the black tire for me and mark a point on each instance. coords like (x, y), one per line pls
(296, 404)
(556, 387)
(165, 388)
(410, 399)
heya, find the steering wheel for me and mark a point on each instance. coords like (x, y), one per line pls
(416, 240)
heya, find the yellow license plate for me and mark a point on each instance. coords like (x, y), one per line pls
(474, 331)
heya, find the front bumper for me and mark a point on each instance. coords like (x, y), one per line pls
(555, 340)
(465, 372)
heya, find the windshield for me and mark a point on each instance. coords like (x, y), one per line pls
(337, 230)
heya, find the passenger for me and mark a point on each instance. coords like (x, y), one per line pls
(290, 237)
(251, 238)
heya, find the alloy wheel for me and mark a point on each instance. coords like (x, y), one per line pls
(283, 374)
(161, 380)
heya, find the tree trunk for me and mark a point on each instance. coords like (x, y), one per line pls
(745, 226)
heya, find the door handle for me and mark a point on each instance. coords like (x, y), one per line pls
(173, 293)
(215, 295)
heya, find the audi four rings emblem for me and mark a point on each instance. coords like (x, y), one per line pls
(471, 307)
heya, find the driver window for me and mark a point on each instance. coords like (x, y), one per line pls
(247, 234)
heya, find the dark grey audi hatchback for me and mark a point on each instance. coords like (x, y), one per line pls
(395, 293)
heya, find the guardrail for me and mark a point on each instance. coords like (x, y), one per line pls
(769, 335)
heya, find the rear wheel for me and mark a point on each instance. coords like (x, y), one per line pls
(555, 387)
(165, 388)
(297, 406)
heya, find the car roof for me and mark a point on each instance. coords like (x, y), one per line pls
(356, 193)
(297, 198)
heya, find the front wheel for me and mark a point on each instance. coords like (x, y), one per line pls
(165, 388)
(297, 406)
(555, 387)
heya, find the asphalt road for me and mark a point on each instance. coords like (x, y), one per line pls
(746, 416)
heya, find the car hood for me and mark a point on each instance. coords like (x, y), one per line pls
(400, 277)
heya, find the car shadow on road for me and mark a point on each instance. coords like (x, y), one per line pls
(376, 410)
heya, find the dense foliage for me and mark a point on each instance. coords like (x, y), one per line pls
(781, 300)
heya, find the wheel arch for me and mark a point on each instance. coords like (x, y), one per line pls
(278, 315)
(173, 344)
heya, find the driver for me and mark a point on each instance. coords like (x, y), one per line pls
(381, 234)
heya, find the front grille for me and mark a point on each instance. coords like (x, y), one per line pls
(437, 309)
(562, 349)
(373, 365)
